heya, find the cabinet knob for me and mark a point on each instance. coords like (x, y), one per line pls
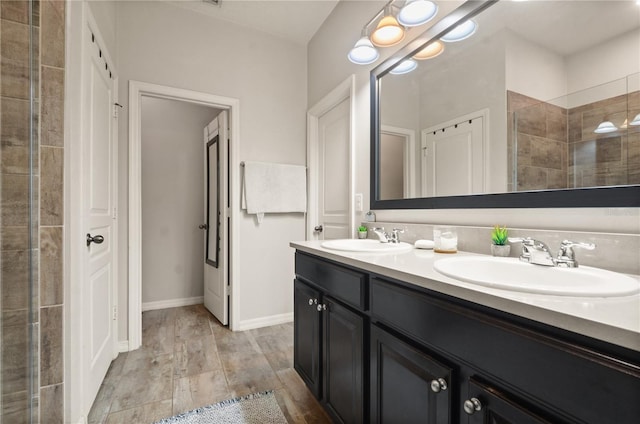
(438, 385)
(312, 301)
(471, 406)
(322, 307)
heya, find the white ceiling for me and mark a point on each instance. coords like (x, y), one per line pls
(294, 20)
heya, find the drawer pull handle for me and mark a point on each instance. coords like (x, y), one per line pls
(471, 406)
(439, 385)
(322, 307)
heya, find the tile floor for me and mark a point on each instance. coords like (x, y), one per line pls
(188, 360)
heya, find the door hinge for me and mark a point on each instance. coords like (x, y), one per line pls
(115, 313)
(116, 106)
(114, 213)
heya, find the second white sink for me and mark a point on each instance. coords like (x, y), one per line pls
(365, 245)
(513, 274)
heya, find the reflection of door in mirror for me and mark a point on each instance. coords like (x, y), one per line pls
(398, 178)
(453, 158)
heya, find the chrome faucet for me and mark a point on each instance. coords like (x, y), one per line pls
(538, 253)
(385, 237)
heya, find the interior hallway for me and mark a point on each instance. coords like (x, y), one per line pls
(188, 360)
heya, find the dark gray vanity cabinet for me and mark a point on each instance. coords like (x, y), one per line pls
(407, 385)
(379, 350)
(329, 336)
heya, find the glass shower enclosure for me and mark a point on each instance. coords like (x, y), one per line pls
(19, 158)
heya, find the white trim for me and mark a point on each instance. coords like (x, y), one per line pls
(172, 303)
(250, 324)
(78, 18)
(409, 156)
(136, 90)
(123, 346)
(345, 90)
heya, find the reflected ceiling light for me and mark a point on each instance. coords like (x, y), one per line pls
(432, 50)
(636, 120)
(363, 52)
(461, 32)
(388, 32)
(404, 67)
(605, 127)
(417, 12)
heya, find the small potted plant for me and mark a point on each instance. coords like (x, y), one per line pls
(362, 232)
(499, 247)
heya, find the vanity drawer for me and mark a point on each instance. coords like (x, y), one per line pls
(341, 283)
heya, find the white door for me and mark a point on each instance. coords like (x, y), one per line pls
(333, 173)
(216, 204)
(453, 160)
(98, 205)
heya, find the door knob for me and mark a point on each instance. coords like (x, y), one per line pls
(317, 228)
(95, 239)
(203, 227)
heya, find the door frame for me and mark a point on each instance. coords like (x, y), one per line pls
(137, 89)
(345, 90)
(79, 17)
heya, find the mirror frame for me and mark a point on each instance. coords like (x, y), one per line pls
(216, 148)
(618, 196)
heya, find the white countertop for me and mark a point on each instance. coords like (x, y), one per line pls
(615, 320)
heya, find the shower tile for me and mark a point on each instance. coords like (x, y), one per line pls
(546, 153)
(15, 238)
(51, 251)
(556, 179)
(14, 48)
(15, 317)
(15, 122)
(556, 123)
(15, 279)
(15, 361)
(532, 120)
(51, 360)
(14, 197)
(51, 187)
(531, 178)
(52, 15)
(52, 403)
(16, 11)
(52, 114)
(15, 408)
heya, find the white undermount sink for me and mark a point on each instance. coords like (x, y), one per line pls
(365, 245)
(515, 275)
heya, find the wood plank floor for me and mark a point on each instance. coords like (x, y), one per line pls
(188, 360)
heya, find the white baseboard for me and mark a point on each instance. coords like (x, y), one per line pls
(123, 346)
(172, 303)
(250, 324)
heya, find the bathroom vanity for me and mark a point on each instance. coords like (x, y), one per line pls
(383, 338)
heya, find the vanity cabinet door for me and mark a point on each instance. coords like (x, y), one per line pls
(407, 385)
(487, 405)
(343, 363)
(306, 327)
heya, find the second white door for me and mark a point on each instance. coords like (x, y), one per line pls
(216, 277)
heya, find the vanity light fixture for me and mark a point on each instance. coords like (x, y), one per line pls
(636, 120)
(388, 32)
(605, 127)
(404, 67)
(461, 32)
(363, 52)
(417, 12)
(432, 50)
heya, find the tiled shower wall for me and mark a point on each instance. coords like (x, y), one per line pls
(557, 148)
(47, 244)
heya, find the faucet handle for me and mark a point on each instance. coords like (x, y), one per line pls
(397, 230)
(566, 255)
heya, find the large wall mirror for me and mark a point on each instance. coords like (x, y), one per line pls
(538, 107)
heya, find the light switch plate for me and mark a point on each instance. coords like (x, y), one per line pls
(358, 202)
